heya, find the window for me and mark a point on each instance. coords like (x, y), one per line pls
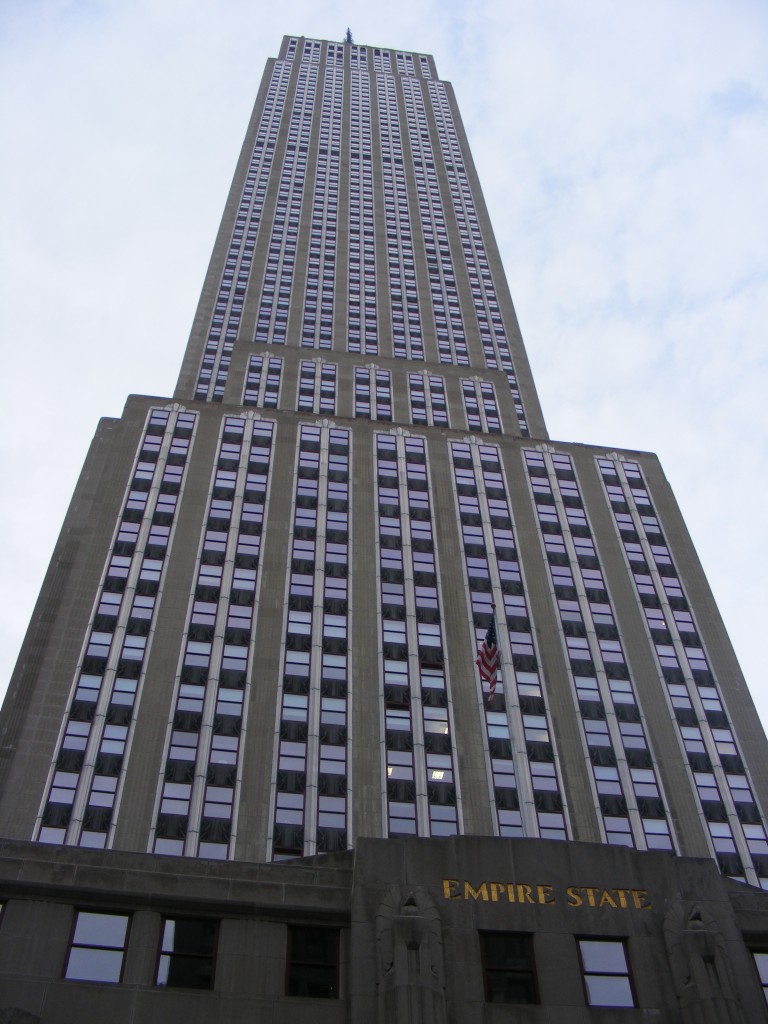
(507, 959)
(97, 947)
(313, 962)
(186, 953)
(761, 963)
(606, 972)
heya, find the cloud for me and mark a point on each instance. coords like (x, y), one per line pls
(623, 152)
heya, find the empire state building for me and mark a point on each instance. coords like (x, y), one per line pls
(257, 639)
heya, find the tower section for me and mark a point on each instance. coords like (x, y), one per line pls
(257, 638)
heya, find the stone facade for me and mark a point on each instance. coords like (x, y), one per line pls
(410, 915)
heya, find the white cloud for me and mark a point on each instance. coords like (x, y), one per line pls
(624, 154)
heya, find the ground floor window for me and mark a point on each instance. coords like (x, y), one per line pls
(508, 969)
(97, 947)
(313, 962)
(761, 963)
(605, 970)
(187, 953)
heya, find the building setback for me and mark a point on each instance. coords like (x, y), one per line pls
(256, 644)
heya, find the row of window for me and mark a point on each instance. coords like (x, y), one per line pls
(318, 390)
(228, 308)
(719, 775)
(277, 286)
(526, 788)
(361, 57)
(211, 694)
(509, 969)
(396, 229)
(186, 958)
(407, 340)
(626, 786)
(422, 796)
(493, 335)
(446, 309)
(89, 761)
(310, 812)
(317, 327)
(362, 331)
(382, 63)
(197, 793)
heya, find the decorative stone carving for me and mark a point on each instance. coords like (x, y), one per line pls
(13, 1015)
(701, 966)
(410, 958)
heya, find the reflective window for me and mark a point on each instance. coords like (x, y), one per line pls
(606, 972)
(761, 963)
(97, 947)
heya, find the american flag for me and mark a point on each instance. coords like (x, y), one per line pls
(487, 659)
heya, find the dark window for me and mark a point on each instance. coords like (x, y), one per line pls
(508, 967)
(606, 972)
(186, 953)
(97, 947)
(313, 962)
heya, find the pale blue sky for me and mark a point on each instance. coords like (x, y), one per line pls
(623, 150)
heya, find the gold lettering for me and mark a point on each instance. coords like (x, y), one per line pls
(606, 900)
(574, 899)
(524, 894)
(451, 889)
(544, 893)
(640, 899)
(476, 894)
(496, 889)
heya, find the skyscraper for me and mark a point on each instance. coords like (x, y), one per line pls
(258, 635)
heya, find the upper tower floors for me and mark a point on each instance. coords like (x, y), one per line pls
(355, 226)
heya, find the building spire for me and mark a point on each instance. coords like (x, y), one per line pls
(348, 37)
